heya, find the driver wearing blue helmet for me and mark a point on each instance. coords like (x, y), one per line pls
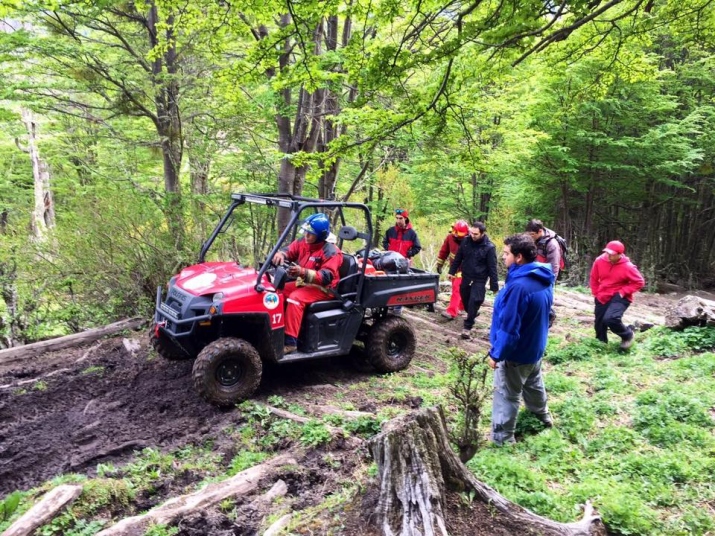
(317, 262)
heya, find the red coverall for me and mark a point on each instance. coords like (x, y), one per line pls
(446, 254)
(321, 262)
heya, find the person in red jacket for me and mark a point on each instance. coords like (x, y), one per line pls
(317, 262)
(403, 239)
(446, 254)
(614, 280)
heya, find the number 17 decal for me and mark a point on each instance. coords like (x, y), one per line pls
(276, 318)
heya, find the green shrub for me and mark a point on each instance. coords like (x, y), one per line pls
(315, 433)
(584, 350)
(576, 417)
(245, 459)
(621, 507)
(613, 440)
(664, 342)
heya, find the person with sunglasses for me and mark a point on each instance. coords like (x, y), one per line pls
(403, 239)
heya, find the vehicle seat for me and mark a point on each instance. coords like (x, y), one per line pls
(348, 275)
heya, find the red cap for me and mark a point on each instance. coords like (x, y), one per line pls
(614, 247)
(402, 212)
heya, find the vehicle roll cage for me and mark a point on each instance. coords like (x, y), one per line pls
(296, 205)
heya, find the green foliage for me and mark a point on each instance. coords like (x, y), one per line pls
(244, 460)
(9, 504)
(583, 350)
(664, 342)
(467, 384)
(670, 417)
(161, 530)
(576, 417)
(314, 433)
(619, 503)
(363, 426)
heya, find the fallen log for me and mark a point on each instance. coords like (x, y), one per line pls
(417, 465)
(173, 509)
(691, 311)
(46, 509)
(18, 353)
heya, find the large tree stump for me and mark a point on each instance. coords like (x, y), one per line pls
(417, 465)
(690, 311)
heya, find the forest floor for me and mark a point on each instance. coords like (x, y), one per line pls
(71, 410)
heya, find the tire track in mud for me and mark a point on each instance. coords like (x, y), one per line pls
(83, 416)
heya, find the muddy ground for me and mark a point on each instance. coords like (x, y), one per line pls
(69, 410)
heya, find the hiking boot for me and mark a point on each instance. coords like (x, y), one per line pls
(466, 333)
(627, 343)
(447, 315)
(291, 344)
(546, 420)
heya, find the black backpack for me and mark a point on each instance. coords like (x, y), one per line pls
(564, 264)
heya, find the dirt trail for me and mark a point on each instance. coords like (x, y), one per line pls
(99, 403)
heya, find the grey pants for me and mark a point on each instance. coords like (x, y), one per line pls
(511, 382)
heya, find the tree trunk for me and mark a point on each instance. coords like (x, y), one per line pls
(8, 290)
(43, 215)
(417, 465)
(164, 71)
(691, 311)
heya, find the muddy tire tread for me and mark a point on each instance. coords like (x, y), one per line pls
(377, 345)
(205, 367)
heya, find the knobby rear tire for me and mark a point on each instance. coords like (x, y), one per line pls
(391, 344)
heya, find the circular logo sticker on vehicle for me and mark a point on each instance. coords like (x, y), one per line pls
(271, 301)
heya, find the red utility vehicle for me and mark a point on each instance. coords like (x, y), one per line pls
(230, 318)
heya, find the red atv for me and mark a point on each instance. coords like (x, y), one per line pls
(229, 317)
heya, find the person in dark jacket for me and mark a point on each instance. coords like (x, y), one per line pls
(403, 239)
(614, 279)
(477, 258)
(520, 327)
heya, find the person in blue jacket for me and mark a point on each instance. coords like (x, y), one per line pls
(520, 326)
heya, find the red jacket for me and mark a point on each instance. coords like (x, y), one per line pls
(449, 249)
(608, 279)
(404, 241)
(322, 260)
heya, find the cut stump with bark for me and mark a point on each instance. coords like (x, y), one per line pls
(417, 465)
(691, 311)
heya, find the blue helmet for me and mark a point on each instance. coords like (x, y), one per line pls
(317, 224)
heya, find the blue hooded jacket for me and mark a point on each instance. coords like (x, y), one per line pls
(520, 322)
